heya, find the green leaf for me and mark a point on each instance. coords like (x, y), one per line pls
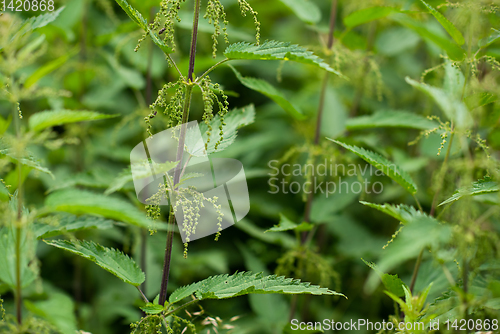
(69, 224)
(287, 225)
(402, 212)
(151, 308)
(454, 51)
(81, 202)
(366, 15)
(109, 259)
(495, 35)
(381, 163)
(40, 21)
(279, 238)
(391, 119)
(48, 68)
(305, 10)
(26, 160)
(58, 309)
(483, 186)
(8, 237)
(137, 18)
(49, 118)
(268, 90)
(392, 283)
(447, 25)
(453, 108)
(274, 50)
(234, 120)
(226, 286)
(479, 99)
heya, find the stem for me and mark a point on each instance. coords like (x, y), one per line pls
(180, 150)
(175, 65)
(143, 295)
(181, 307)
(194, 37)
(306, 237)
(18, 294)
(212, 68)
(416, 269)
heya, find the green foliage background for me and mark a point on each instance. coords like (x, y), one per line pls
(412, 91)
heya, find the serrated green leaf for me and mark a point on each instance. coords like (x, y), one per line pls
(287, 225)
(228, 286)
(109, 259)
(483, 186)
(49, 118)
(151, 308)
(137, 18)
(80, 202)
(452, 107)
(40, 21)
(268, 90)
(367, 14)
(391, 119)
(454, 51)
(447, 25)
(8, 237)
(392, 283)
(402, 212)
(234, 120)
(70, 223)
(305, 10)
(381, 163)
(274, 50)
(26, 160)
(479, 99)
(495, 35)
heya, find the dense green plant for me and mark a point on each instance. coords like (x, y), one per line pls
(406, 98)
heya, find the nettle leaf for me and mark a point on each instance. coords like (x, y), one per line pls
(402, 212)
(447, 25)
(305, 10)
(151, 308)
(452, 107)
(49, 118)
(495, 35)
(81, 202)
(367, 15)
(69, 224)
(8, 263)
(418, 234)
(40, 21)
(234, 120)
(381, 163)
(391, 119)
(26, 160)
(483, 186)
(48, 68)
(392, 283)
(287, 225)
(479, 99)
(454, 51)
(109, 259)
(268, 90)
(136, 16)
(274, 50)
(228, 286)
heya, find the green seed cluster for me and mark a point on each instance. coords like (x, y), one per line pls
(190, 202)
(147, 325)
(172, 106)
(245, 8)
(209, 94)
(214, 14)
(169, 9)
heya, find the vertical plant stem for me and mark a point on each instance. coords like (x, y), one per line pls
(180, 150)
(416, 269)
(18, 225)
(324, 85)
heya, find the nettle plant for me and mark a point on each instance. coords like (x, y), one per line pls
(23, 227)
